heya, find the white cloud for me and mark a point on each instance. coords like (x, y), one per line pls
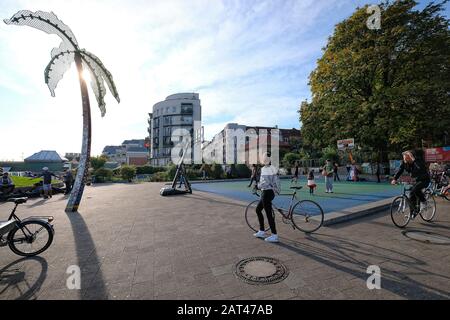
(233, 52)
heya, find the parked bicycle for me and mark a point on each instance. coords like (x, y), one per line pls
(304, 215)
(28, 237)
(439, 185)
(402, 211)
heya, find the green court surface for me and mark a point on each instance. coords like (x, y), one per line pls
(346, 194)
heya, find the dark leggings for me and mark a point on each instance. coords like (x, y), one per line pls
(416, 192)
(266, 204)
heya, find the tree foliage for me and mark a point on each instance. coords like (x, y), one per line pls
(128, 173)
(98, 162)
(387, 88)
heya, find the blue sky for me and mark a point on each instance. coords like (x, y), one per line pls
(248, 60)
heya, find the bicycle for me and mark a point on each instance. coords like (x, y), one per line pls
(34, 233)
(402, 211)
(438, 186)
(304, 215)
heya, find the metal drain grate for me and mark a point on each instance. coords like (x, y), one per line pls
(427, 237)
(261, 270)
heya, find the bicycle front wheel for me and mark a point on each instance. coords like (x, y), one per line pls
(251, 218)
(401, 211)
(307, 216)
(428, 213)
(30, 238)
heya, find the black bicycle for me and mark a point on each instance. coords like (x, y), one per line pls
(402, 211)
(304, 215)
(27, 237)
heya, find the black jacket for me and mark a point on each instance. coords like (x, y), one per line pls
(417, 169)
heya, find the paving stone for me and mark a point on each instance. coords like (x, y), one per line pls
(131, 243)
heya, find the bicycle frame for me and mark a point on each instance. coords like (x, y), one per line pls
(19, 221)
(281, 210)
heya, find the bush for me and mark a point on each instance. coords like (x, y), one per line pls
(160, 177)
(149, 169)
(102, 175)
(216, 171)
(242, 171)
(128, 173)
(192, 174)
(171, 171)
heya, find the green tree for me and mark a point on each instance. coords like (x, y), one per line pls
(330, 153)
(128, 173)
(386, 88)
(289, 160)
(98, 162)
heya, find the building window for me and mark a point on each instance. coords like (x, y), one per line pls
(167, 120)
(186, 119)
(187, 108)
(174, 109)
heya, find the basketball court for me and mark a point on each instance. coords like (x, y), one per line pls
(347, 194)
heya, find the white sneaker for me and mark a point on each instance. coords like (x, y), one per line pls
(260, 234)
(272, 238)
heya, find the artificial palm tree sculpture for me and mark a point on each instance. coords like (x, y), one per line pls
(61, 60)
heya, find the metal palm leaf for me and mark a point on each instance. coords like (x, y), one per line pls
(61, 60)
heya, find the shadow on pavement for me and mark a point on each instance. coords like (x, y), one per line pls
(16, 284)
(338, 253)
(208, 199)
(87, 254)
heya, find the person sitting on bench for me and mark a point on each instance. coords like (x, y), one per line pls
(7, 185)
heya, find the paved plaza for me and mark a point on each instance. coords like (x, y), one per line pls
(131, 243)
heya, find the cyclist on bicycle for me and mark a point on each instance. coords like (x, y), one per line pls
(269, 184)
(418, 170)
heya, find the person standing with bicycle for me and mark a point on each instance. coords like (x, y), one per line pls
(269, 184)
(418, 170)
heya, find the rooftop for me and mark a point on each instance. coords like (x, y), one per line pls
(45, 156)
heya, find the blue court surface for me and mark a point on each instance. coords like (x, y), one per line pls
(346, 194)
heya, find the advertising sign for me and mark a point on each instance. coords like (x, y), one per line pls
(437, 154)
(346, 144)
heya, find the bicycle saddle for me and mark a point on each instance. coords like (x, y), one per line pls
(18, 200)
(297, 188)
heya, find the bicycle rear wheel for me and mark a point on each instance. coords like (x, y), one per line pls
(307, 216)
(429, 212)
(401, 211)
(30, 238)
(251, 218)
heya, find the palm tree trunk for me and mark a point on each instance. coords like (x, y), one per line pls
(80, 180)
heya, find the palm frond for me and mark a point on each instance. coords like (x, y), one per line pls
(47, 22)
(97, 85)
(101, 70)
(61, 61)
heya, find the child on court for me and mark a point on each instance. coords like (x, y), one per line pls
(311, 183)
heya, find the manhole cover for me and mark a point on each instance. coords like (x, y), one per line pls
(427, 237)
(261, 270)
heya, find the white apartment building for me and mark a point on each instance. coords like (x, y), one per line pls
(169, 123)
